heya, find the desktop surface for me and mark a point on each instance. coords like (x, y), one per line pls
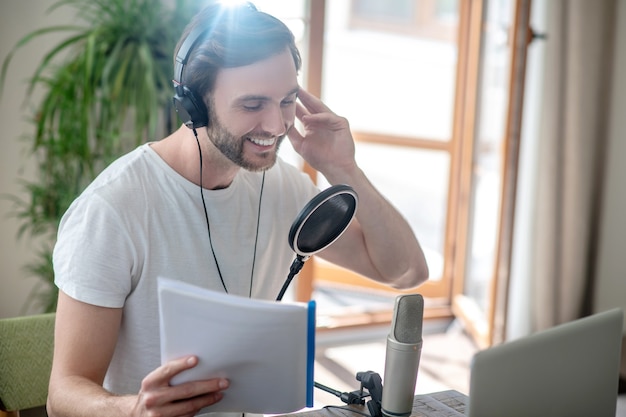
(449, 403)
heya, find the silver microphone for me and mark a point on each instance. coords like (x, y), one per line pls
(404, 347)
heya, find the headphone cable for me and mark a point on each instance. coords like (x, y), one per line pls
(206, 216)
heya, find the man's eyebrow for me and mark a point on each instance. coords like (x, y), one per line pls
(251, 97)
(255, 97)
(293, 91)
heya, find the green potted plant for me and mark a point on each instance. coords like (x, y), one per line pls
(107, 88)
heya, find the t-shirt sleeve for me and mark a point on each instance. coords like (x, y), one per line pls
(94, 256)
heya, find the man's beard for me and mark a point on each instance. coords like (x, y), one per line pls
(232, 146)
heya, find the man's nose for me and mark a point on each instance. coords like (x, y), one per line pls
(274, 121)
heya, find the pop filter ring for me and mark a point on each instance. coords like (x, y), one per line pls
(296, 228)
(310, 209)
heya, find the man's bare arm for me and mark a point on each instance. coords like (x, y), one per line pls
(85, 338)
(380, 243)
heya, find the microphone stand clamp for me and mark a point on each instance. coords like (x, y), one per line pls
(373, 383)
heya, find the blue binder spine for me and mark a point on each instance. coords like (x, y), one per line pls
(310, 353)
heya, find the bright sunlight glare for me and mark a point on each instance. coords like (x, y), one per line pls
(232, 3)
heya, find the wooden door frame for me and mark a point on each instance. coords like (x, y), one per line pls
(489, 327)
(315, 64)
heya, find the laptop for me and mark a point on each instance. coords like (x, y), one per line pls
(569, 370)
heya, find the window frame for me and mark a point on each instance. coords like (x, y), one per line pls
(444, 298)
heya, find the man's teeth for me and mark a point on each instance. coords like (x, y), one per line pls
(263, 142)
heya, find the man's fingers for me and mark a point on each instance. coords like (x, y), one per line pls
(294, 135)
(301, 111)
(196, 391)
(192, 406)
(162, 376)
(312, 103)
(159, 403)
(164, 373)
(186, 398)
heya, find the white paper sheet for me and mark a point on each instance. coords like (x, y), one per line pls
(265, 348)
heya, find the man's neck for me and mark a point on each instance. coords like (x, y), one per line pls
(180, 152)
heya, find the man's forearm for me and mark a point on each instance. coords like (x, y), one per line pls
(390, 242)
(77, 396)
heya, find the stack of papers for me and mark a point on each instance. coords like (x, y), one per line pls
(266, 349)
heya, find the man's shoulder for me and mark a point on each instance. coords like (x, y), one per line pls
(137, 166)
(122, 179)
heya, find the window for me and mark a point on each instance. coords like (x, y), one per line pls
(435, 19)
(426, 85)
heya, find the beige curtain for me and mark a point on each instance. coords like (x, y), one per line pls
(571, 153)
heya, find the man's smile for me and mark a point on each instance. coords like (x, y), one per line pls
(262, 142)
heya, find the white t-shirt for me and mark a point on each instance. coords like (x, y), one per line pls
(140, 219)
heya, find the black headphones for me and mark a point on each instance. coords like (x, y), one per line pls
(191, 109)
(192, 112)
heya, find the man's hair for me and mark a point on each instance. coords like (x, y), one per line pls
(235, 36)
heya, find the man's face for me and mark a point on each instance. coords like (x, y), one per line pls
(253, 107)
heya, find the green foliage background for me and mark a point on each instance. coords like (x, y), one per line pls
(107, 89)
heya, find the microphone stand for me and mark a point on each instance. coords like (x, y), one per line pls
(296, 266)
(354, 397)
(369, 380)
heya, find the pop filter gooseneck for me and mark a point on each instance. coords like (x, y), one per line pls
(319, 224)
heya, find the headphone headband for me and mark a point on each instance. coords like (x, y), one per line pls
(191, 110)
(183, 54)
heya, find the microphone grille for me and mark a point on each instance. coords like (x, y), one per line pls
(408, 318)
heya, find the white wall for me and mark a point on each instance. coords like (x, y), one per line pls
(17, 18)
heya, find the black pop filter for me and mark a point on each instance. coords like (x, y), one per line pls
(323, 220)
(319, 224)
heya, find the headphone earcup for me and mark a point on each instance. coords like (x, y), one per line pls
(191, 111)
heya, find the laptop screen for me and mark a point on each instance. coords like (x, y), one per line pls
(568, 370)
